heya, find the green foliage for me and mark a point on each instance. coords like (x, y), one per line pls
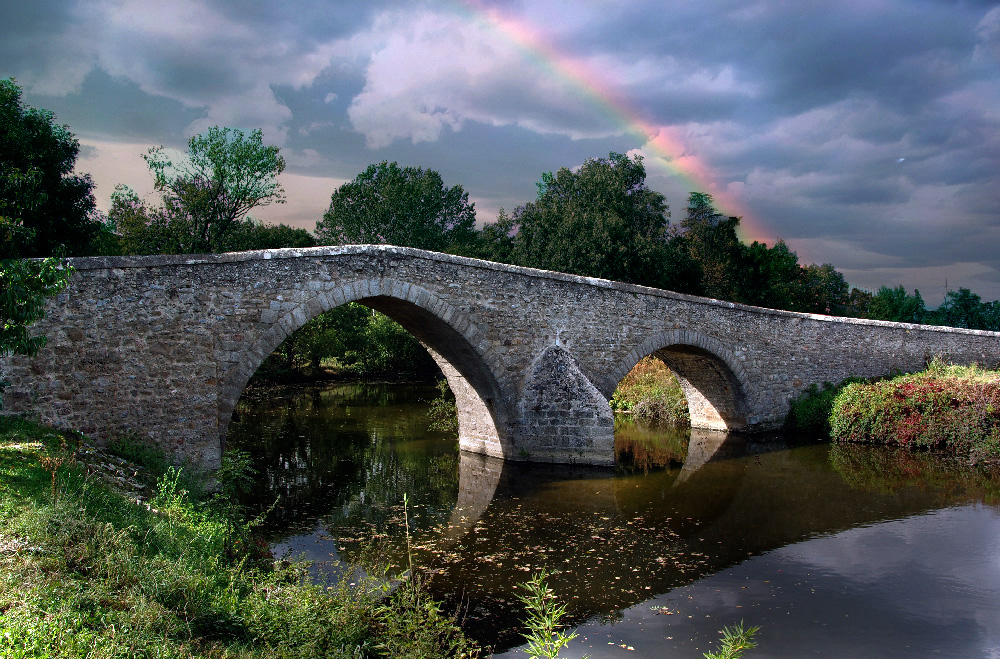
(809, 413)
(945, 407)
(443, 413)
(412, 626)
(897, 305)
(823, 290)
(652, 394)
(146, 455)
(773, 276)
(251, 234)
(405, 206)
(858, 303)
(545, 613)
(600, 221)
(95, 574)
(735, 641)
(386, 349)
(715, 247)
(963, 308)
(236, 476)
(205, 196)
(140, 228)
(24, 287)
(361, 342)
(45, 208)
(496, 240)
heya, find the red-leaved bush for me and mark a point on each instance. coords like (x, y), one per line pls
(945, 407)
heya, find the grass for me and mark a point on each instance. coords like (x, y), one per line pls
(86, 571)
(651, 393)
(951, 408)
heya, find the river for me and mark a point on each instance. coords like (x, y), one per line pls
(832, 550)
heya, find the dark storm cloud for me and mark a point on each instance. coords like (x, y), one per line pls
(32, 47)
(116, 109)
(866, 133)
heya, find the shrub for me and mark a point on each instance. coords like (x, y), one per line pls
(443, 413)
(951, 408)
(809, 413)
(651, 393)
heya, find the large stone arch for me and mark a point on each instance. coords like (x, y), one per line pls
(454, 341)
(713, 379)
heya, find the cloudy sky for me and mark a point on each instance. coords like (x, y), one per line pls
(865, 133)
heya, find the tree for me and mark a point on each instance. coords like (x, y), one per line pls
(24, 287)
(859, 303)
(44, 206)
(405, 206)
(961, 308)
(251, 234)
(715, 247)
(363, 342)
(824, 290)
(773, 276)
(991, 315)
(142, 229)
(496, 240)
(210, 189)
(600, 221)
(896, 305)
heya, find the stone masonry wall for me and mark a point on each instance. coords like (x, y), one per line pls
(162, 347)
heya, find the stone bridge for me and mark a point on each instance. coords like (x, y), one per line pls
(163, 346)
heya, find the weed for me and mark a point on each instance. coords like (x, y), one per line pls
(544, 638)
(406, 529)
(735, 641)
(412, 626)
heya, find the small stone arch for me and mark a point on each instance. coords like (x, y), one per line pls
(453, 340)
(713, 379)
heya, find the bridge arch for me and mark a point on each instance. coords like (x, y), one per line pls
(453, 340)
(712, 378)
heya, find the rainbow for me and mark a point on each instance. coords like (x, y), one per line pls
(663, 142)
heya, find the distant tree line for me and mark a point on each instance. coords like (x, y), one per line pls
(601, 220)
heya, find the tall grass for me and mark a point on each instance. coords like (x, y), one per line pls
(88, 572)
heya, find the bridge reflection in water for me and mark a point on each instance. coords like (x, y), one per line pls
(691, 505)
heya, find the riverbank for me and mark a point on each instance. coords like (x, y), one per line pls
(150, 565)
(948, 408)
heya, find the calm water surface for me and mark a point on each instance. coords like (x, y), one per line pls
(834, 551)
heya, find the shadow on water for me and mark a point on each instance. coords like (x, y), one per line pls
(680, 505)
